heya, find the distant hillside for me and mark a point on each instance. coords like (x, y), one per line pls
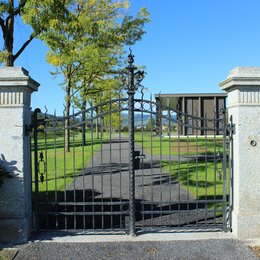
(146, 118)
(137, 118)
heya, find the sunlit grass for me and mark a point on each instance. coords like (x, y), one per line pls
(59, 167)
(202, 180)
(202, 173)
(200, 177)
(179, 145)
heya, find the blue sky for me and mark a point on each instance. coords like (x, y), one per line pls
(190, 46)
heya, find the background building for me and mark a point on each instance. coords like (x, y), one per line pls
(192, 110)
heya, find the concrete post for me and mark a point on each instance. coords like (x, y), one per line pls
(243, 87)
(15, 116)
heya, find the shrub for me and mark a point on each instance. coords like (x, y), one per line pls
(3, 174)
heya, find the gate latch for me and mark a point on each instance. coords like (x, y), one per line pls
(138, 157)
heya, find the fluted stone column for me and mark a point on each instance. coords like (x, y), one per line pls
(16, 88)
(243, 87)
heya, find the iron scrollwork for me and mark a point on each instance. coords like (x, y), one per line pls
(131, 79)
(42, 167)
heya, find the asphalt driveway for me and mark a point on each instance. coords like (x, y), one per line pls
(224, 249)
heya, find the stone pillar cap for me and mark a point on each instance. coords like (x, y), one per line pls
(17, 77)
(241, 76)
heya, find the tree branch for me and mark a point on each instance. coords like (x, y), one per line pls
(19, 8)
(2, 23)
(16, 11)
(23, 47)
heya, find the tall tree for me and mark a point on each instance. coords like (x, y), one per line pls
(91, 42)
(40, 15)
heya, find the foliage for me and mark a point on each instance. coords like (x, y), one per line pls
(7, 169)
(150, 126)
(3, 174)
(87, 47)
(39, 15)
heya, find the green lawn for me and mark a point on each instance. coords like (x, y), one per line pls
(178, 145)
(201, 179)
(200, 176)
(61, 167)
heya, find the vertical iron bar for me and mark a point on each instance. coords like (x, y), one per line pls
(120, 157)
(170, 162)
(100, 116)
(206, 169)
(231, 156)
(55, 169)
(132, 86)
(110, 161)
(216, 126)
(188, 168)
(84, 143)
(46, 169)
(74, 167)
(65, 172)
(179, 169)
(197, 171)
(224, 168)
(92, 169)
(161, 176)
(142, 152)
(36, 167)
(132, 230)
(151, 143)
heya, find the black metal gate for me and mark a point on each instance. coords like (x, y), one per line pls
(128, 167)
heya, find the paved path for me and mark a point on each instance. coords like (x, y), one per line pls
(201, 249)
(107, 179)
(110, 168)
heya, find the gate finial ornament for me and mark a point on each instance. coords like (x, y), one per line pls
(130, 57)
(131, 79)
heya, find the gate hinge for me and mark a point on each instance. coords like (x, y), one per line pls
(231, 129)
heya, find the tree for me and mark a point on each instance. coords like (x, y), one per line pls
(106, 90)
(39, 15)
(150, 126)
(89, 43)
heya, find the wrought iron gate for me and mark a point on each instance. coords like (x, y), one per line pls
(129, 167)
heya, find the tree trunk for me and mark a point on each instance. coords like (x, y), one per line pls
(8, 35)
(9, 60)
(67, 118)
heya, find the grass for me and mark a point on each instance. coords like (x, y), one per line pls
(200, 179)
(179, 145)
(199, 176)
(8, 253)
(59, 168)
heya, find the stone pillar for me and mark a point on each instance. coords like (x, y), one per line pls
(15, 116)
(243, 87)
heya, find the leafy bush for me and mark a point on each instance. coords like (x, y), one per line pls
(3, 174)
